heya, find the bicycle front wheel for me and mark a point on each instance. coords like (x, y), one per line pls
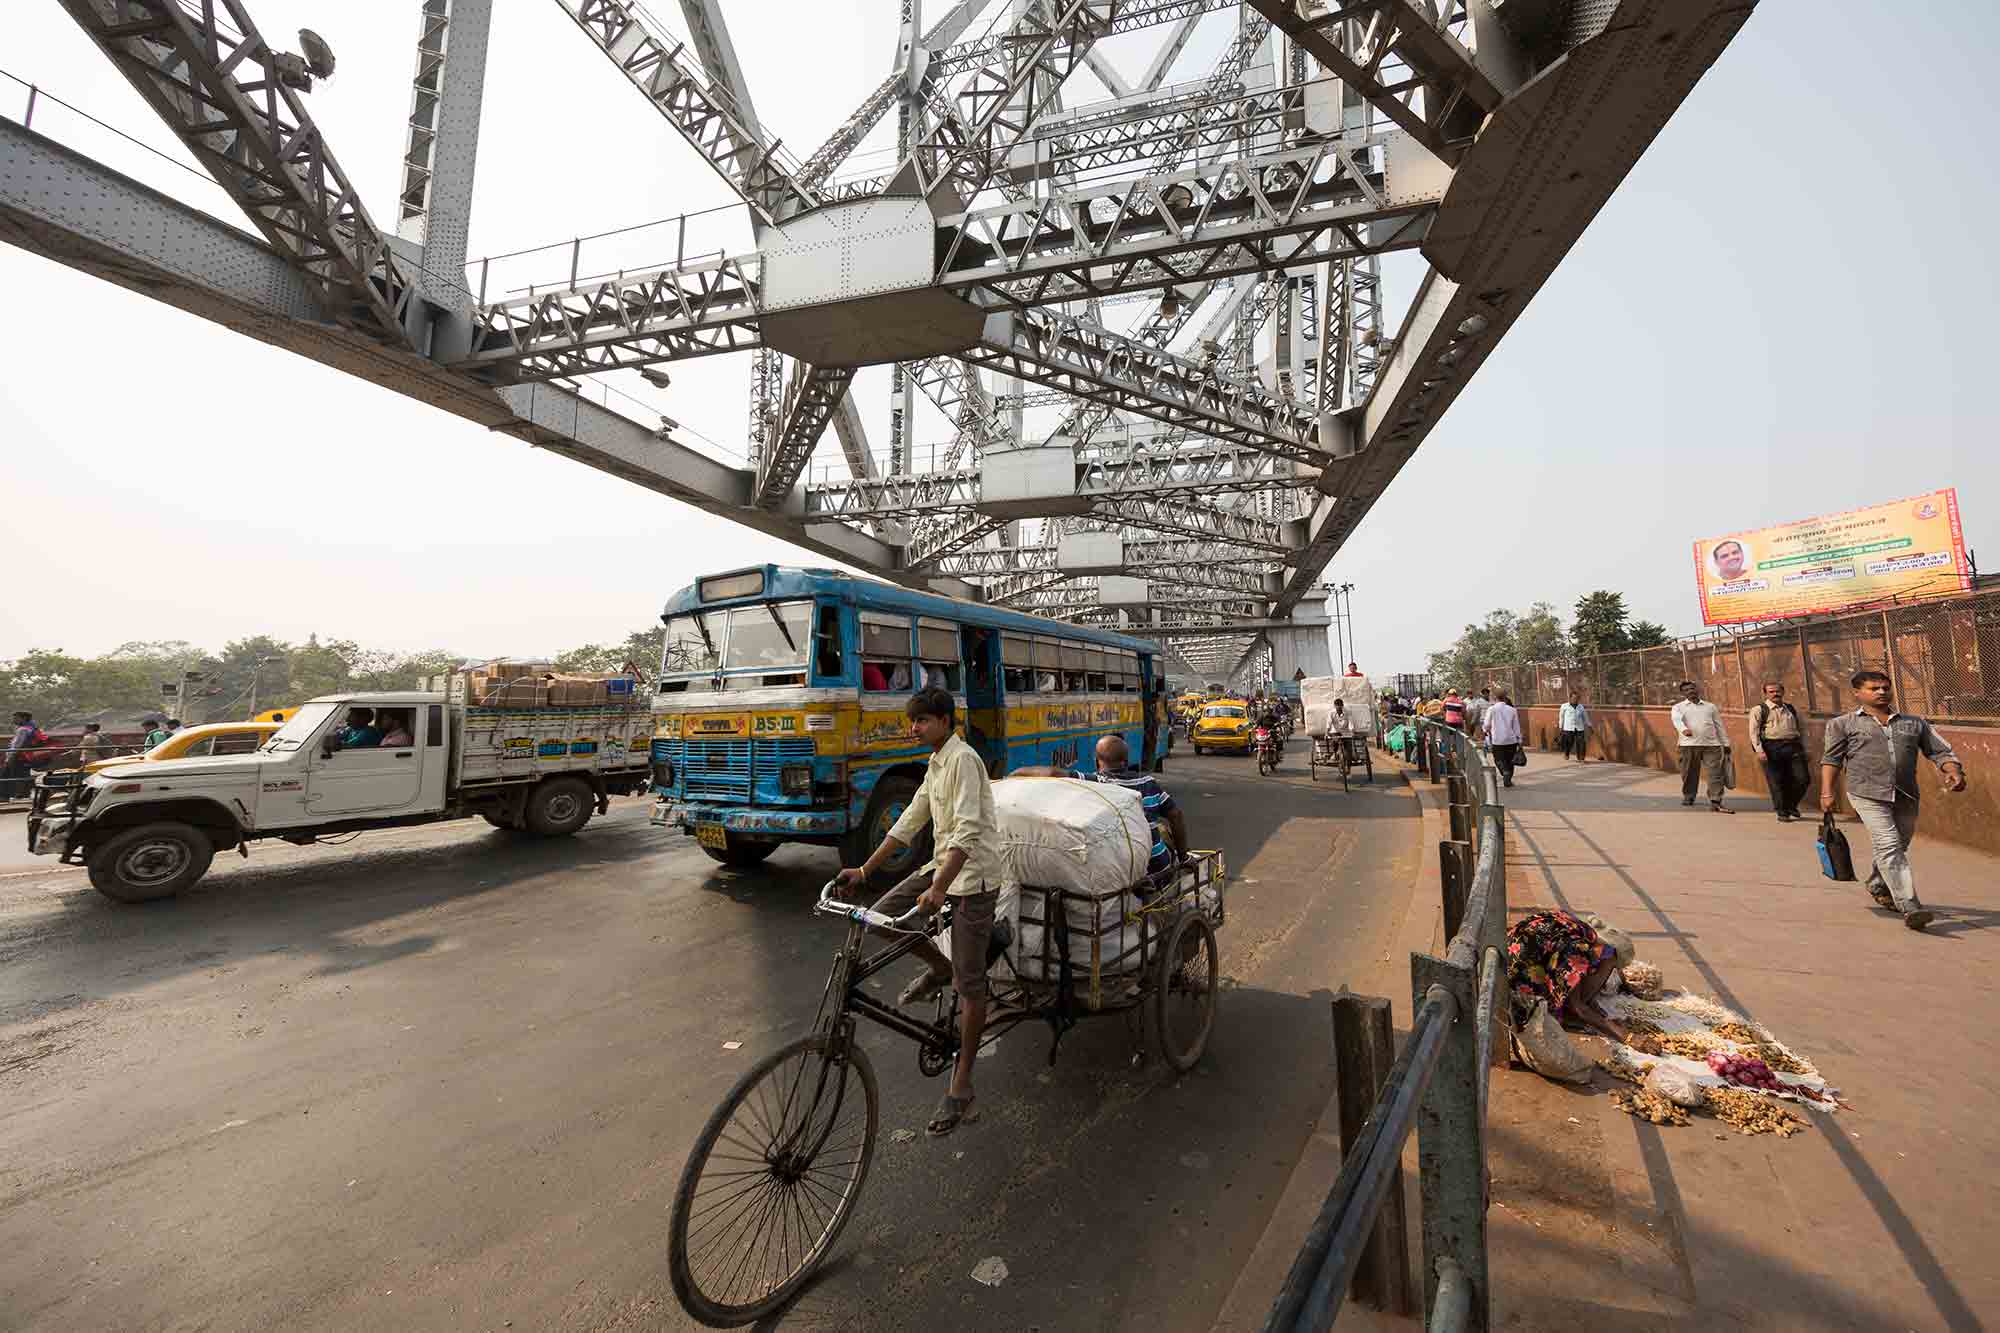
(771, 1181)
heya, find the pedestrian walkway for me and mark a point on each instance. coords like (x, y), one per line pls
(1880, 1217)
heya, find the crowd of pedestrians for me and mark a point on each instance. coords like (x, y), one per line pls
(1872, 747)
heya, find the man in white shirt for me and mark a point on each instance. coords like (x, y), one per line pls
(1704, 746)
(1503, 735)
(1574, 724)
(956, 803)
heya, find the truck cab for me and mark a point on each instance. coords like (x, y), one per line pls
(147, 830)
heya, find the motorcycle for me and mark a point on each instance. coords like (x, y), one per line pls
(1266, 746)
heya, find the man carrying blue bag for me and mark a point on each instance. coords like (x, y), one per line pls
(1877, 748)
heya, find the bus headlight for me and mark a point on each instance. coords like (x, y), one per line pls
(796, 779)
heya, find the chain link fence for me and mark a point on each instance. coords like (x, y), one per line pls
(1944, 658)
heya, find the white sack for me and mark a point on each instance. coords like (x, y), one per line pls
(1088, 837)
(1318, 694)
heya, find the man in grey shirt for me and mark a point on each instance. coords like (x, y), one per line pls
(1877, 747)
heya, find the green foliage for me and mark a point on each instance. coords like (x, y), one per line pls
(1599, 626)
(1504, 636)
(259, 670)
(1647, 634)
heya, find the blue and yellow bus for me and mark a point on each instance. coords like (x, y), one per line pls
(781, 693)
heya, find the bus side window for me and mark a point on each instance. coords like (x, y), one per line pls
(885, 653)
(937, 649)
(1017, 656)
(826, 644)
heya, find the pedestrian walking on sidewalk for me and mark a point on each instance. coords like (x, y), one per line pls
(1877, 747)
(1779, 738)
(1475, 710)
(1575, 726)
(1704, 746)
(1503, 735)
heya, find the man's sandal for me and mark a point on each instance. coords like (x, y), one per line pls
(922, 987)
(951, 1113)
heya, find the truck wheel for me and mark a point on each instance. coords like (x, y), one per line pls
(559, 806)
(741, 852)
(892, 796)
(150, 862)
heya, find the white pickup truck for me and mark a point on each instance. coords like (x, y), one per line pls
(149, 830)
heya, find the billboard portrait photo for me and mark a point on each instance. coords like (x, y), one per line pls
(1904, 549)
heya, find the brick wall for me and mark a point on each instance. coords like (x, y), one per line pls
(1645, 736)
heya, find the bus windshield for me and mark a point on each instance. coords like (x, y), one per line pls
(761, 637)
(769, 635)
(694, 643)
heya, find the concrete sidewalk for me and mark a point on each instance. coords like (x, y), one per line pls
(1880, 1217)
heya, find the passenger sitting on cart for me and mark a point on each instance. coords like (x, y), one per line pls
(1163, 813)
(1340, 723)
(956, 802)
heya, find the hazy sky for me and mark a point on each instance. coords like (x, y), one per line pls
(1784, 311)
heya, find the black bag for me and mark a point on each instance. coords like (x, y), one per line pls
(1835, 861)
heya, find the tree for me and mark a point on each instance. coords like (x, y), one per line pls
(1539, 637)
(1600, 623)
(642, 648)
(1647, 634)
(1502, 639)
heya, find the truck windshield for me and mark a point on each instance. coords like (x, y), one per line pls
(694, 643)
(770, 635)
(299, 729)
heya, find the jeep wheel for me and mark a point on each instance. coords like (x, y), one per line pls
(559, 806)
(150, 862)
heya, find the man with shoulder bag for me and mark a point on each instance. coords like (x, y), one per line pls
(1779, 738)
(1876, 748)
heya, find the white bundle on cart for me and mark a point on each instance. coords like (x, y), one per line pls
(1082, 845)
(1318, 694)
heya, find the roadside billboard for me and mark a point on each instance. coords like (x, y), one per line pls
(1906, 548)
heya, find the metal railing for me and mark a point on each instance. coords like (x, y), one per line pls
(1436, 1087)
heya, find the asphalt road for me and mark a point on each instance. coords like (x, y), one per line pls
(446, 1078)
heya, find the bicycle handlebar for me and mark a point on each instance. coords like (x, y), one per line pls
(832, 906)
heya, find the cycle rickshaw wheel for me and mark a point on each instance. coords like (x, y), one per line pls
(771, 1181)
(1185, 987)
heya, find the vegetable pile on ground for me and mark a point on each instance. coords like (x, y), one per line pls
(1649, 1106)
(1744, 1074)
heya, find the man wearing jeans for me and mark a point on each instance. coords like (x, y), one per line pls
(1704, 746)
(1878, 749)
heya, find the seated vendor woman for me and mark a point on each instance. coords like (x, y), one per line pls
(1557, 957)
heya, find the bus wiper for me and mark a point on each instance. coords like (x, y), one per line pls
(779, 621)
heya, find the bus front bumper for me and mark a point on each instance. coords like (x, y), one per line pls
(750, 819)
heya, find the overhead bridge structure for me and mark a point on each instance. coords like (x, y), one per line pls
(1127, 252)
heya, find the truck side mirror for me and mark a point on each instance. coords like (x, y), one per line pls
(328, 744)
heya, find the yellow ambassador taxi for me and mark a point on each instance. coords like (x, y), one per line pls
(1224, 724)
(198, 742)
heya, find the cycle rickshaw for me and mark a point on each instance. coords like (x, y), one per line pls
(1345, 751)
(776, 1171)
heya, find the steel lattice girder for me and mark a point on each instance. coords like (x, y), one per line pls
(1139, 553)
(739, 154)
(1211, 220)
(1129, 17)
(1185, 122)
(1017, 254)
(1402, 56)
(636, 319)
(843, 141)
(934, 543)
(1100, 366)
(1002, 95)
(1195, 471)
(814, 395)
(216, 83)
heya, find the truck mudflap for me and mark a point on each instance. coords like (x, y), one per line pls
(750, 819)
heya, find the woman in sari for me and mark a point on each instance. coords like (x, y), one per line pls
(1558, 957)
